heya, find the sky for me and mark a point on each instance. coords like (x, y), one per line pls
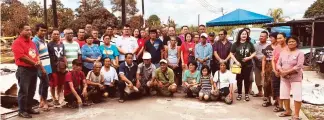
(185, 12)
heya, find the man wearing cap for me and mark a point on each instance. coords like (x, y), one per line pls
(128, 83)
(203, 51)
(212, 41)
(163, 80)
(145, 72)
(155, 47)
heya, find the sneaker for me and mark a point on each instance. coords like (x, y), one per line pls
(32, 111)
(24, 115)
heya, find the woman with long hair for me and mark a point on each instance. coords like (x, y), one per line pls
(242, 52)
(140, 42)
(290, 66)
(187, 51)
(281, 45)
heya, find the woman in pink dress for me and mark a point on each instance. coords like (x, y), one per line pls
(187, 51)
(290, 67)
(281, 45)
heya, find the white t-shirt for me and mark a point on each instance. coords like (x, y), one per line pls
(109, 76)
(128, 44)
(225, 78)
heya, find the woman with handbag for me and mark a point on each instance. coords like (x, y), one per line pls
(191, 80)
(206, 83)
(242, 52)
(187, 51)
(223, 84)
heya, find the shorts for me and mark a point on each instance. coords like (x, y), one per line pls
(275, 86)
(56, 80)
(295, 87)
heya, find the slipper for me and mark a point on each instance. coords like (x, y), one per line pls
(251, 93)
(278, 109)
(295, 118)
(284, 115)
(265, 99)
(121, 101)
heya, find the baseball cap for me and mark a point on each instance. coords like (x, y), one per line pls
(146, 56)
(163, 61)
(203, 35)
(211, 34)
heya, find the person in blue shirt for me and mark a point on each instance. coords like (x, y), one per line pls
(90, 54)
(43, 73)
(203, 51)
(109, 51)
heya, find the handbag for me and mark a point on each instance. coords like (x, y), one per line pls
(236, 69)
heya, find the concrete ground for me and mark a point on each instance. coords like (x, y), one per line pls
(162, 108)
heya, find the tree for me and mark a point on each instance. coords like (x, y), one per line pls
(153, 21)
(136, 21)
(100, 18)
(64, 15)
(87, 5)
(36, 13)
(13, 14)
(276, 14)
(131, 9)
(316, 9)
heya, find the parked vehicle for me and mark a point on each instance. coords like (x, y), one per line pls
(254, 35)
(319, 58)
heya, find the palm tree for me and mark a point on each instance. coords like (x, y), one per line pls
(276, 14)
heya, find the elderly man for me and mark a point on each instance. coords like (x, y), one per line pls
(145, 72)
(110, 78)
(95, 80)
(163, 80)
(203, 51)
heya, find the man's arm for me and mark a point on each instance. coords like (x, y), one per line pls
(74, 92)
(217, 56)
(124, 78)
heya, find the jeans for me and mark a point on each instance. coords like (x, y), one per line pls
(43, 85)
(27, 81)
(245, 75)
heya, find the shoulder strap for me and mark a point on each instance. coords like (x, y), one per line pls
(218, 81)
(165, 76)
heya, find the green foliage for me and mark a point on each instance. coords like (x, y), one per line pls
(316, 9)
(153, 21)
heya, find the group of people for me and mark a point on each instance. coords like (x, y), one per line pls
(155, 62)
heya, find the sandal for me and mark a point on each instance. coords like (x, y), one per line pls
(278, 109)
(239, 97)
(284, 115)
(251, 92)
(295, 118)
(266, 104)
(247, 98)
(265, 99)
(121, 101)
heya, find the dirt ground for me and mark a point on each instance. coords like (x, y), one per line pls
(162, 108)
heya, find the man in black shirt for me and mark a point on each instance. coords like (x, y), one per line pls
(154, 46)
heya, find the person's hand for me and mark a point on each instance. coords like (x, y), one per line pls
(102, 87)
(283, 73)
(37, 64)
(246, 59)
(79, 101)
(276, 74)
(84, 93)
(238, 63)
(160, 84)
(230, 96)
(131, 86)
(262, 73)
(138, 84)
(112, 84)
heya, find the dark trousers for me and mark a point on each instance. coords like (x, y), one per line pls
(43, 85)
(95, 94)
(27, 81)
(244, 76)
(85, 70)
(224, 92)
(70, 98)
(111, 90)
(214, 66)
(121, 88)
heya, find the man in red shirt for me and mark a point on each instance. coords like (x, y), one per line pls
(75, 88)
(81, 40)
(27, 59)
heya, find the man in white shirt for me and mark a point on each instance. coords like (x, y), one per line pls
(110, 78)
(126, 44)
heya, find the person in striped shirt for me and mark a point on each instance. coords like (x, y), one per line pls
(72, 48)
(41, 46)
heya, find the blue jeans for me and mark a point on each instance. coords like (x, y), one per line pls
(27, 81)
(43, 85)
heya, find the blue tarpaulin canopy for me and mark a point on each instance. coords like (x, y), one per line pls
(240, 17)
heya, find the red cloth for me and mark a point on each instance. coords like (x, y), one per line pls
(81, 42)
(22, 47)
(140, 43)
(185, 49)
(78, 77)
(57, 79)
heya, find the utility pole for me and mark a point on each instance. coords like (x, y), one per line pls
(198, 19)
(222, 10)
(143, 13)
(45, 13)
(54, 13)
(123, 12)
